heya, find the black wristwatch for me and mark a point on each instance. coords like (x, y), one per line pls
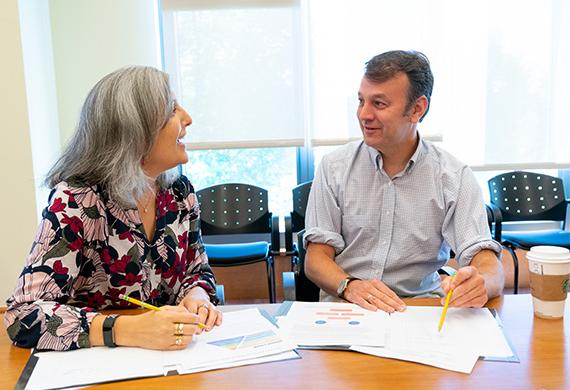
(108, 332)
(343, 285)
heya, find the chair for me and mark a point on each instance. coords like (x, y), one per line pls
(237, 208)
(295, 222)
(296, 285)
(527, 196)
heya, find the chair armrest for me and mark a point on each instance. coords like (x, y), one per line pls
(289, 286)
(220, 294)
(497, 220)
(275, 239)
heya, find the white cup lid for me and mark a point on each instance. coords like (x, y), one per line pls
(549, 253)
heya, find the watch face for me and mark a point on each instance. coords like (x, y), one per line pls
(342, 286)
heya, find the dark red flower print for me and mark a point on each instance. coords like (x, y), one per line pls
(96, 300)
(59, 269)
(130, 279)
(76, 245)
(120, 265)
(183, 240)
(114, 293)
(126, 235)
(166, 203)
(70, 195)
(74, 223)
(106, 256)
(176, 272)
(57, 206)
(154, 294)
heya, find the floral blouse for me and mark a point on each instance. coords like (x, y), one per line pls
(88, 250)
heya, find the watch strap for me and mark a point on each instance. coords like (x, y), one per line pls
(108, 330)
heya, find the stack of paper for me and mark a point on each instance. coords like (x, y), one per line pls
(246, 337)
(320, 324)
(411, 335)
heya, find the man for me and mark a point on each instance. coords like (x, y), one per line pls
(384, 212)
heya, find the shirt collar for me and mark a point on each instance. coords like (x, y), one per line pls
(376, 156)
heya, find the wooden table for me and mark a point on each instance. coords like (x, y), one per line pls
(540, 344)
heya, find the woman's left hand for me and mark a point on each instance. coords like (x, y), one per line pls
(197, 301)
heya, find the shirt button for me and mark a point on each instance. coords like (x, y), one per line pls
(388, 212)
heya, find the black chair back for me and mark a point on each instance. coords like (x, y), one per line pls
(528, 196)
(234, 208)
(300, 199)
(305, 290)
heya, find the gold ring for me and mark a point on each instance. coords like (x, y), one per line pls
(204, 305)
(178, 340)
(179, 329)
(369, 297)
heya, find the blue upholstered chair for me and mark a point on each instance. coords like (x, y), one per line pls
(237, 208)
(527, 196)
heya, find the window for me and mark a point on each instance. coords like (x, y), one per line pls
(284, 74)
(263, 167)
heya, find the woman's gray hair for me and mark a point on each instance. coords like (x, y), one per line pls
(119, 123)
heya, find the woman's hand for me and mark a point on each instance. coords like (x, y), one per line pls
(170, 328)
(197, 301)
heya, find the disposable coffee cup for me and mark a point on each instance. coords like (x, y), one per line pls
(549, 270)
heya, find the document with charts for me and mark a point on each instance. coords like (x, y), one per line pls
(245, 337)
(321, 324)
(412, 335)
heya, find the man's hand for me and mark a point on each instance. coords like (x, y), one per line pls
(469, 288)
(373, 295)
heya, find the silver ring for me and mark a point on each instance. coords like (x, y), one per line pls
(178, 340)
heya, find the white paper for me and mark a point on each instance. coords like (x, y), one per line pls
(245, 337)
(93, 365)
(466, 335)
(246, 334)
(334, 324)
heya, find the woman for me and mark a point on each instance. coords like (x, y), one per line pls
(120, 220)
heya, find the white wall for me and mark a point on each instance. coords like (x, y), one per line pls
(66, 46)
(17, 198)
(93, 38)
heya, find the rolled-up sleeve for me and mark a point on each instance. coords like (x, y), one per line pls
(323, 218)
(465, 227)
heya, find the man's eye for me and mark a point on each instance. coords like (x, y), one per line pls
(379, 103)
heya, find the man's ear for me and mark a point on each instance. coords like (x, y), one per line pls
(419, 109)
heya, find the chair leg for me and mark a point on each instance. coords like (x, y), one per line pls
(271, 279)
(515, 268)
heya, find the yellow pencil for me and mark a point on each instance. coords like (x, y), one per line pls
(445, 306)
(149, 306)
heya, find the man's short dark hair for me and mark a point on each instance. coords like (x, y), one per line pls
(412, 63)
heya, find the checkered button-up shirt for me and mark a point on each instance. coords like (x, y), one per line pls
(398, 230)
